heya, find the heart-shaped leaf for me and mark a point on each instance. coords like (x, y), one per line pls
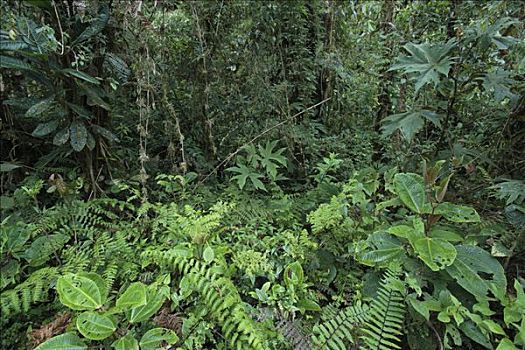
(66, 341)
(153, 338)
(95, 326)
(80, 292)
(135, 295)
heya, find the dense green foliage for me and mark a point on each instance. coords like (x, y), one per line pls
(264, 175)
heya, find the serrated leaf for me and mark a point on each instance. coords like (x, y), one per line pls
(411, 190)
(66, 341)
(152, 339)
(78, 135)
(468, 266)
(61, 137)
(79, 292)
(135, 295)
(44, 129)
(95, 326)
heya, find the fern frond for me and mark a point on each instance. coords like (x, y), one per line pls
(335, 332)
(34, 289)
(383, 326)
(217, 294)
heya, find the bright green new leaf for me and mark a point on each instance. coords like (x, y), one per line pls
(208, 254)
(154, 301)
(506, 344)
(293, 274)
(127, 342)
(436, 253)
(470, 262)
(411, 189)
(457, 213)
(152, 339)
(66, 341)
(133, 296)
(95, 326)
(79, 292)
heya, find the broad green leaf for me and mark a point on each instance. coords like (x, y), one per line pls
(380, 248)
(308, 305)
(81, 75)
(411, 189)
(419, 306)
(436, 253)
(44, 129)
(470, 262)
(95, 27)
(409, 123)
(99, 281)
(61, 137)
(40, 107)
(457, 213)
(80, 292)
(506, 344)
(152, 339)
(470, 329)
(445, 234)
(78, 135)
(6, 202)
(43, 247)
(66, 341)
(95, 326)
(127, 342)
(154, 301)
(6, 167)
(90, 142)
(208, 254)
(426, 62)
(135, 295)
(293, 274)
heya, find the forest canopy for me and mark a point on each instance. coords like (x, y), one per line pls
(267, 175)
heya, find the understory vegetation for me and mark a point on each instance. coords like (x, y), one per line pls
(301, 175)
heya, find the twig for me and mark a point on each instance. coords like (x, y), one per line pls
(59, 27)
(231, 155)
(437, 334)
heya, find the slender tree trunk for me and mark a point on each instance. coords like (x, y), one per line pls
(385, 103)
